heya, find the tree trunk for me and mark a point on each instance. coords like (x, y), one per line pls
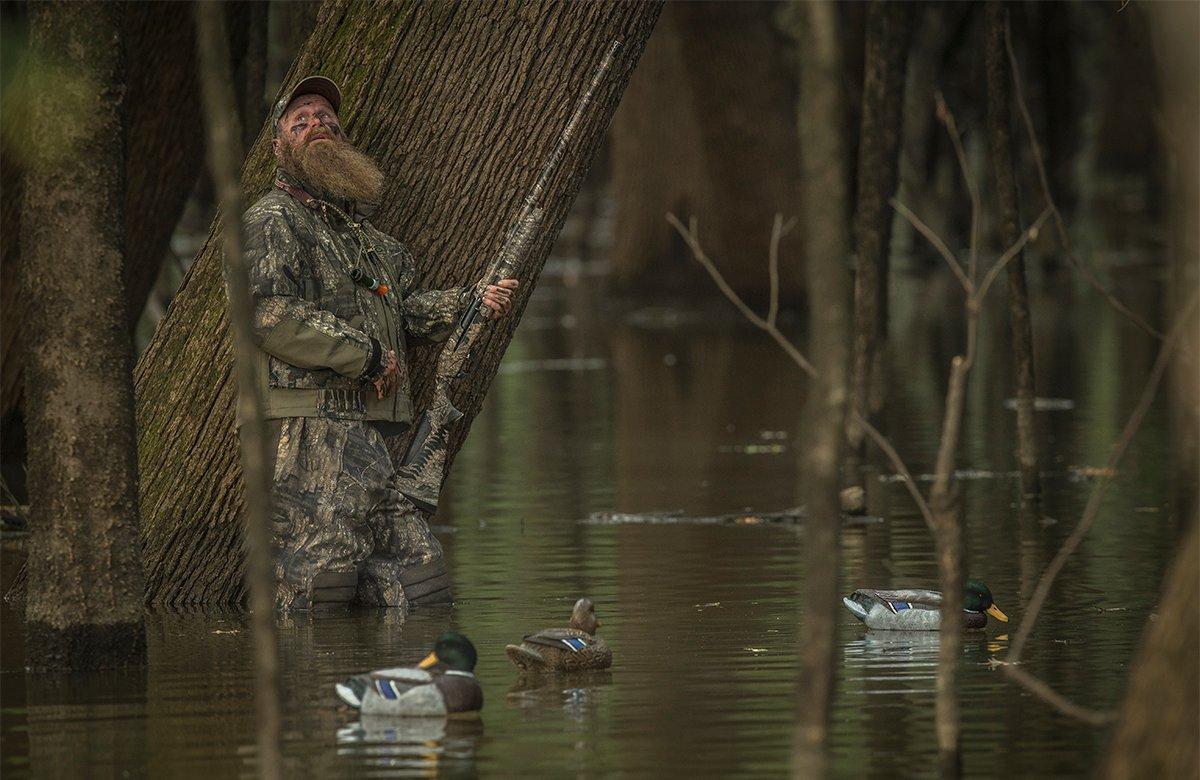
(226, 150)
(163, 157)
(252, 79)
(948, 530)
(1000, 137)
(1172, 29)
(707, 129)
(1156, 733)
(827, 248)
(923, 140)
(458, 104)
(948, 527)
(888, 29)
(294, 21)
(85, 578)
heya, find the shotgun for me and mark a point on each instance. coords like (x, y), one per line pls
(423, 467)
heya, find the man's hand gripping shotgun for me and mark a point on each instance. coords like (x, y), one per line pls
(423, 468)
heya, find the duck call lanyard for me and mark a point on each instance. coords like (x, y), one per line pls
(365, 248)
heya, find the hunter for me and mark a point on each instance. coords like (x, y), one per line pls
(335, 304)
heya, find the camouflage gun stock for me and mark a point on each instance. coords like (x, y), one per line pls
(423, 467)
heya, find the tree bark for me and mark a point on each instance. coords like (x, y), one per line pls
(948, 530)
(707, 129)
(888, 31)
(85, 583)
(826, 232)
(163, 157)
(458, 104)
(1156, 733)
(1000, 137)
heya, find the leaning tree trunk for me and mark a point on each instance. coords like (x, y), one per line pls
(85, 578)
(458, 104)
(827, 249)
(888, 28)
(707, 129)
(1000, 137)
(164, 156)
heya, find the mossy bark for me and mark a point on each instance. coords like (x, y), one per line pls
(459, 104)
(85, 580)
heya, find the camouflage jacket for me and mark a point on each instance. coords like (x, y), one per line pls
(324, 337)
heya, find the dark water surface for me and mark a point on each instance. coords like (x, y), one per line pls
(661, 409)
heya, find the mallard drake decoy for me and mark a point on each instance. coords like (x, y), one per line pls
(571, 649)
(443, 684)
(917, 610)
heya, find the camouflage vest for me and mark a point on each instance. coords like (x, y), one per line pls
(322, 335)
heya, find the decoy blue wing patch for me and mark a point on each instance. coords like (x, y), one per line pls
(899, 605)
(575, 644)
(385, 688)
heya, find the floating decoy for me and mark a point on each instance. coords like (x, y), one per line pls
(572, 649)
(918, 610)
(443, 684)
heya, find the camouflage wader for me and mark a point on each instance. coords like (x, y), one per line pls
(337, 510)
(342, 528)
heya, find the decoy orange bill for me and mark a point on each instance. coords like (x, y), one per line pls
(995, 612)
(432, 659)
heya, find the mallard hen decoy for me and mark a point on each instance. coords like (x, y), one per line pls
(917, 610)
(570, 649)
(443, 684)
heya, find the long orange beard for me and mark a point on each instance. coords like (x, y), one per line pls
(334, 167)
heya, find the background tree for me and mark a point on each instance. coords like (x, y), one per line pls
(1004, 166)
(707, 129)
(889, 26)
(827, 251)
(163, 159)
(1155, 735)
(85, 592)
(458, 104)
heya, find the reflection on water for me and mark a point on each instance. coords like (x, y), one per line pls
(601, 415)
(410, 747)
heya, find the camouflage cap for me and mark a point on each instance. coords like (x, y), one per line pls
(309, 85)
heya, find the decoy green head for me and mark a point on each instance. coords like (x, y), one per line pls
(977, 598)
(453, 651)
(583, 616)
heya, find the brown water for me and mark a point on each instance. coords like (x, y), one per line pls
(659, 409)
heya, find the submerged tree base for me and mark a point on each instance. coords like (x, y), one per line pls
(89, 647)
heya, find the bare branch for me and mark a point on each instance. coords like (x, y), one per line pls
(1030, 234)
(778, 230)
(1093, 505)
(1063, 236)
(936, 240)
(943, 112)
(690, 238)
(882, 443)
